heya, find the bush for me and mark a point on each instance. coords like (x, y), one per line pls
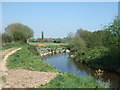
(33, 49)
(95, 53)
(91, 53)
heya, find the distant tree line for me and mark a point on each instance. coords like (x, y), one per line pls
(50, 40)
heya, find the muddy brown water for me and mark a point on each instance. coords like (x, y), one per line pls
(64, 64)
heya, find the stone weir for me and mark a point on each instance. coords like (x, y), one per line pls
(48, 51)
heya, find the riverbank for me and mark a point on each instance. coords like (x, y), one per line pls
(18, 77)
(65, 80)
(69, 66)
(98, 61)
(106, 63)
(25, 59)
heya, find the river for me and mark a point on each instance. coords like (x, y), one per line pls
(63, 63)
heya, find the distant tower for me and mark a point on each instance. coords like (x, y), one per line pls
(42, 35)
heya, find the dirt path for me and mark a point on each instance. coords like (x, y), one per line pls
(21, 78)
(6, 54)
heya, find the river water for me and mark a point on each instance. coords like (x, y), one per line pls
(64, 64)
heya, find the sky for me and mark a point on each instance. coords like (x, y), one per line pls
(57, 19)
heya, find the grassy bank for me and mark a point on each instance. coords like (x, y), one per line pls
(31, 61)
(27, 60)
(72, 81)
(14, 45)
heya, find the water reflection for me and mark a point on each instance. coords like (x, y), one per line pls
(63, 63)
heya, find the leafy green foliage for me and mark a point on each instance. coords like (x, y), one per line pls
(58, 40)
(19, 32)
(102, 47)
(92, 39)
(112, 38)
(111, 41)
(96, 38)
(95, 53)
(6, 38)
(77, 43)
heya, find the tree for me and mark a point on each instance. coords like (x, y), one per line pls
(83, 33)
(42, 35)
(6, 38)
(19, 32)
(92, 39)
(96, 38)
(57, 40)
(77, 43)
(87, 36)
(77, 46)
(112, 39)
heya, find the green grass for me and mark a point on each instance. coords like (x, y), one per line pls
(50, 45)
(72, 81)
(12, 46)
(27, 60)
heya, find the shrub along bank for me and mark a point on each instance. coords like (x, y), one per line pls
(98, 49)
